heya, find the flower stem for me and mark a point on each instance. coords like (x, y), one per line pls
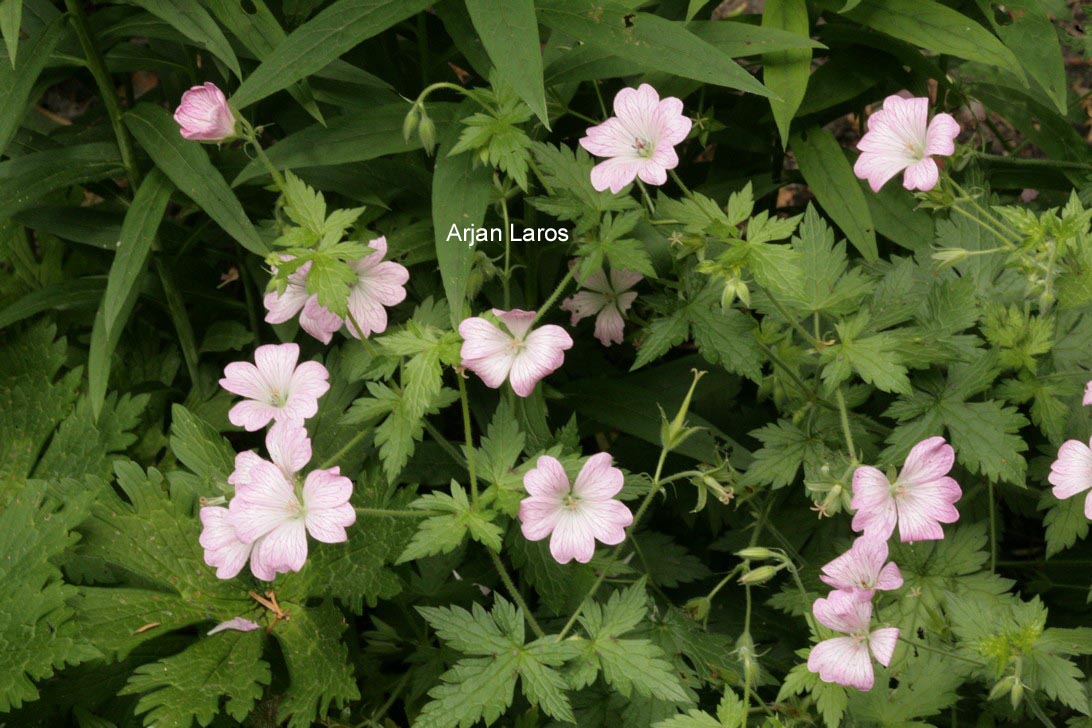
(251, 136)
(844, 414)
(946, 653)
(681, 184)
(333, 459)
(648, 199)
(507, 253)
(793, 322)
(444, 443)
(469, 442)
(987, 220)
(396, 513)
(107, 90)
(553, 296)
(516, 596)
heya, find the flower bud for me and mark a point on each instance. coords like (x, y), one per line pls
(698, 608)
(947, 257)
(409, 124)
(204, 115)
(758, 576)
(426, 130)
(756, 553)
(1002, 687)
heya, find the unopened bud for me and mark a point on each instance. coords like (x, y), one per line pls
(426, 131)
(947, 257)
(756, 553)
(1002, 687)
(758, 576)
(1017, 694)
(698, 608)
(409, 124)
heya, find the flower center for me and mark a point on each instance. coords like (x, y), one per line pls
(279, 397)
(643, 147)
(917, 151)
(570, 502)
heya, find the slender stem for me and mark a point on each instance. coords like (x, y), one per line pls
(444, 443)
(599, 95)
(396, 513)
(251, 136)
(656, 485)
(993, 527)
(746, 677)
(984, 224)
(333, 459)
(773, 357)
(792, 321)
(554, 296)
(680, 183)
(844, 414)
(439, 85)
(998, 226)
(516, 596)
(107, 91)
(946, 653)
(469, 442)
(648, 199)
(507, 253)
(538, 173)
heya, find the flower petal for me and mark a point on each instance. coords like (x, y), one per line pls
(610, 326)
(940, 138)
(922, 175)
(547, 479)
(572, 538)
(883, 641)
(876, 514)
(289, 447)
(1071, 473)
(598, 479)
(538, 516)
(543, 352)
(285, 548)
(842, 660)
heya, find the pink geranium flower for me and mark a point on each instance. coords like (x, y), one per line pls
(574, 516)
(223, 549)
(315, 319)
(921, 498)
(863, 569)
(848, 660)
(639, 140)
(1087, 394)
(239, 624)
(204, 114)
(901, 137)
(274, 387)
(607, 300)
(1071, 473)
(379, 283)
(269, 513)
(519, 355)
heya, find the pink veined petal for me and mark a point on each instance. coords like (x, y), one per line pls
(547, 479)
(572, 538)
(842, 660)
(538, 516)
(309, 382)
(940, 138)
(285, 548)
(282, 307)
(260, 569)
(930, 459)
(609, 139)
(244, 379)
(319, 321)
(858, 567)
(543, 352)
(922, 175)
(1088, 507)
(890, 577)
(623, 280)
(487, 351)
(223, 549)
(584, 304)
(204, 115)
(238, 624)
(325, 489)
(598, 479)
(878, 169)
(276, 362)
(1071, 473)
(1087, 394)
(244, 461)
(625, 301)
(385, 283)
(842, 612)
(365, 311)
(615, 173)
(669, 120)
(883, 642)
(908, 119)
(610, 326)
(664, 157)
(517, 321)
(251, 415)
(597, 282)
(637, 105)
(263, 503)
(653, 172)
(608, 519)
(328, 524)
(876, 513)
(925, 506)
(289, 446)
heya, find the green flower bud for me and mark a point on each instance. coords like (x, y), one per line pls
(759, 576)
(409, 124)
(756, 553)
(426, 131)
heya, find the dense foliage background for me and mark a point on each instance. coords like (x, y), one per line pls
(836, 327)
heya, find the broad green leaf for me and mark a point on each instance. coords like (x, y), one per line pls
(743, 39)
(83, 445)
(460, 195)
(199, 447)
(222, 673)
(786, 73)
(322, 39)
(194, 22)
(11, 18)
(1064, 520)
(70, 295)
(831, 180)
(1031, 36)
(936, 27)
(509, 32)
(17, 79)
(26, 179)
(116, 619)
(647, 40)
(130, 262)
(86, 225)
(188, 167)
(319, 670)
